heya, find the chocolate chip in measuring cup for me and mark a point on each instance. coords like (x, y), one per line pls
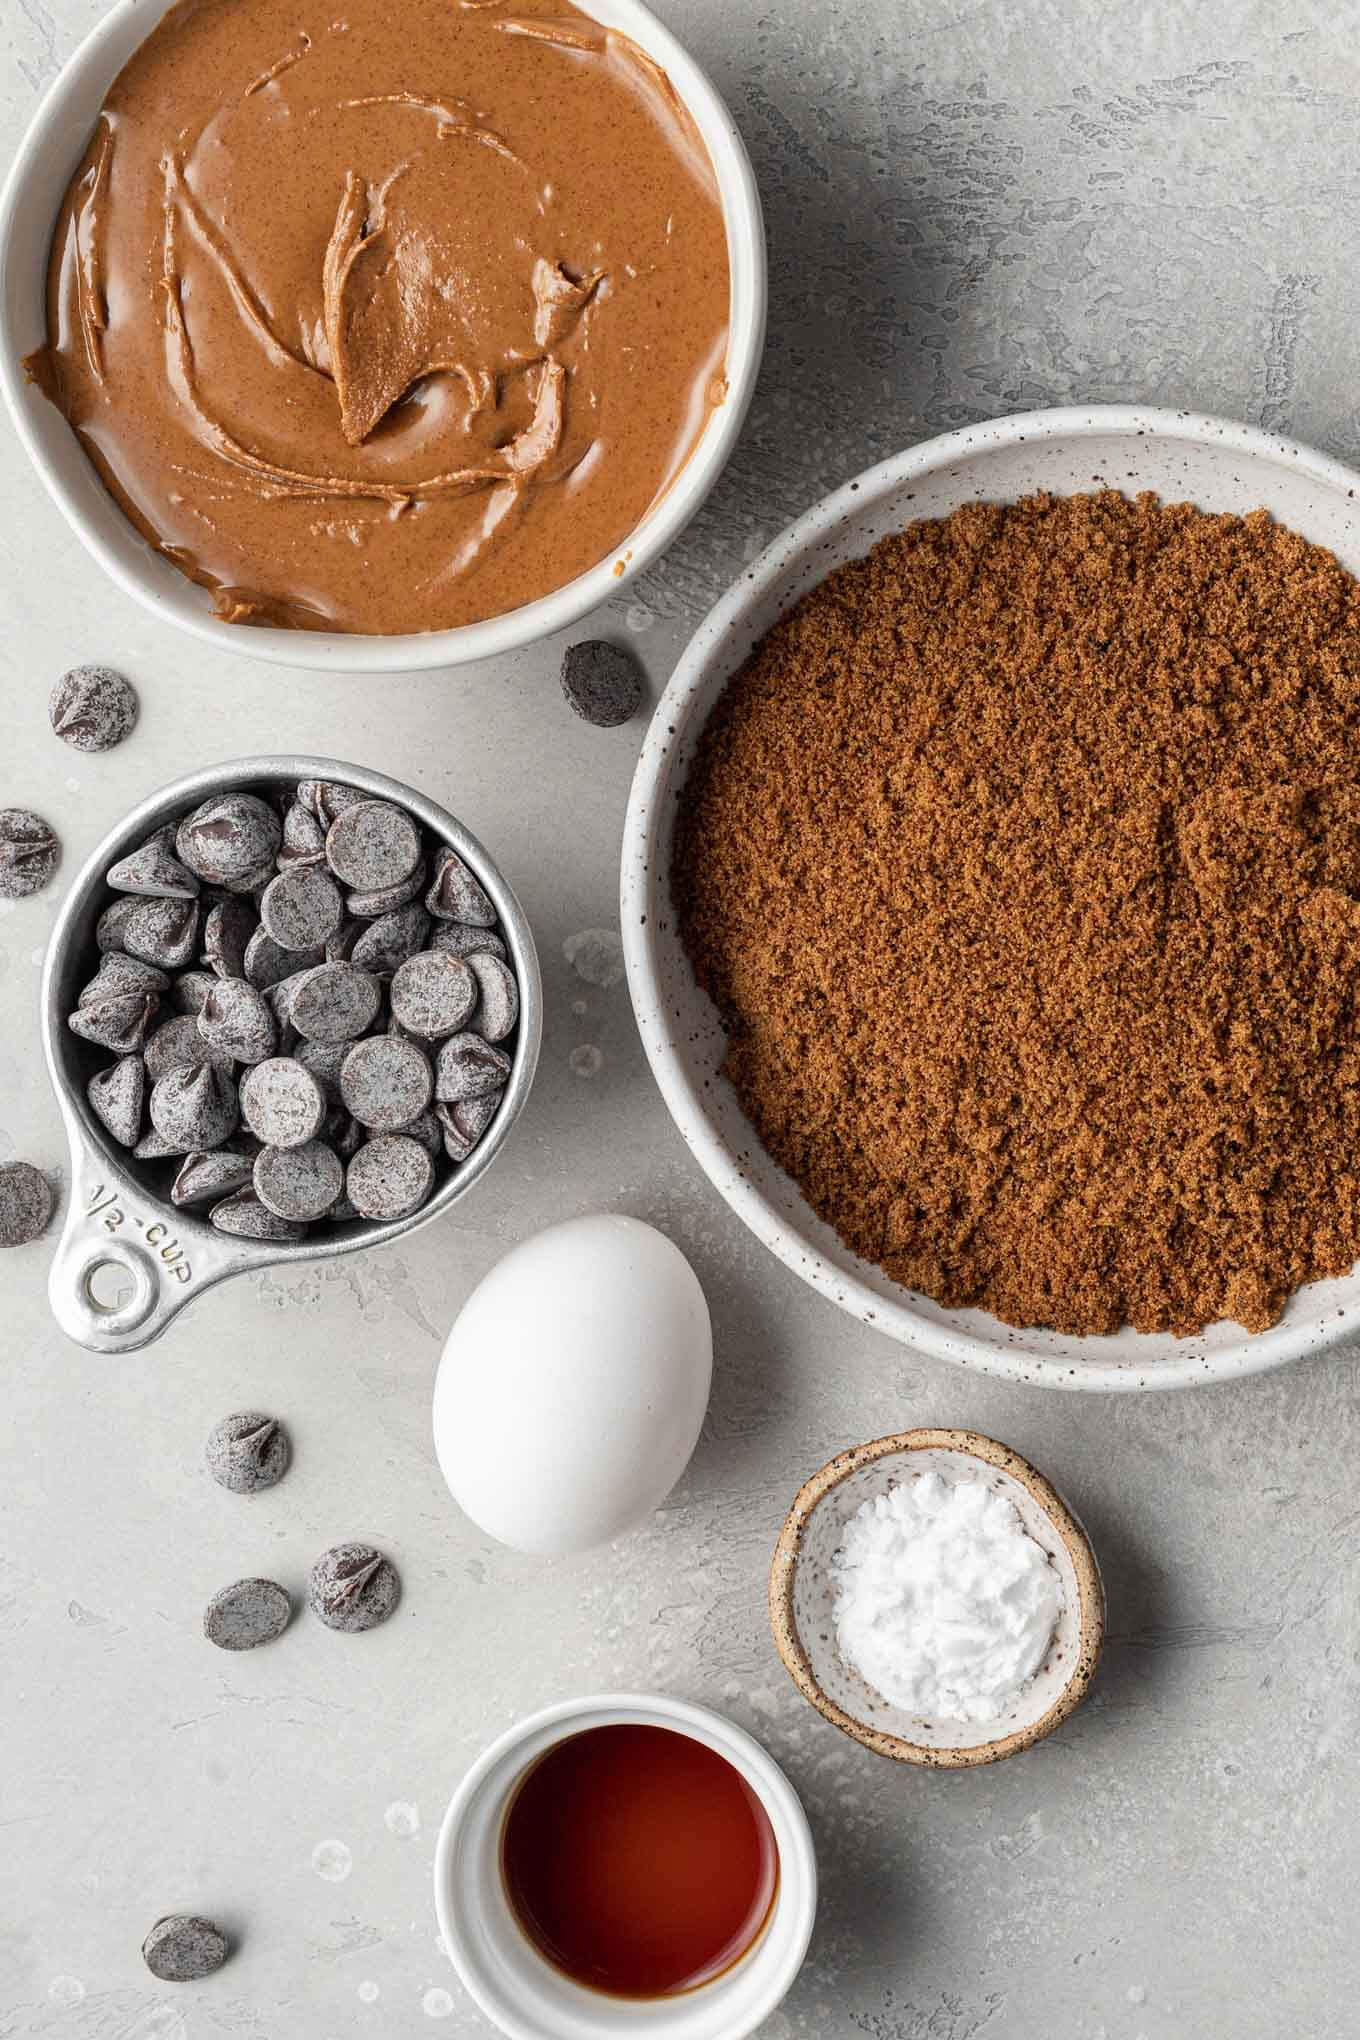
(367, 906)
(118, 1022)
(153, 871)
(335, 1002)
(602, 682)
(281, 1102)
(457, 1144)
(25, 1204)
(340, 947)
(227, 934)
(372, 845)
(245, 1218)
(301, 908)
(194, 1107)
(92, 708)
(433, 994)
(299, 1182)
(183, 1947)
(469, 1067)
(248, 1452)
(190, 989)
(324, 1059)
(109, 929)
(29, 853)
(456, 895)
(384, 1082)
(426, 1129)
(247, 1614)
(117, 1097)
(498, 1001)
(455, 938)
(472, 1116)
(117, 974)
(231, 840)
(177, 1045)
(352, 1587)
(163, 932)
(266, 963)
(207, 1177)
(237, 1020)
(304, 838)
(384, 945)
(327, 798)
(390, 1177)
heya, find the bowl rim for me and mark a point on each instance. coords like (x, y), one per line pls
(546, 1726)
(1090, 1592)
(643, 909)
(178, 601)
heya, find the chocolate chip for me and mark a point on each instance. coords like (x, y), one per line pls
(327, 798)
(237, 1020)
(92, 708)
(177, 1045)
(390, 1177)
(29, 853)
(372, 845)
(247, 1614)
(343, 1133)
(352, 1587)
(433, 994)
(426, 1129)
(299, 1182)
(472, 1116)
(302, 907)
(457, 1144)
(456, 894)
(117, 1096)
(206, 1178)
(468, 1067)
(163, 932)
(182, 1947)
(335, 1002)
(153, 871)
(340, 947)
(194, 1108)
(227, 934)
(231, 840)
(245, 1218)
(456, 939)
(266, 963)
(282, 1102)
(304, 839)
(25, 1204)
(112, 922)
(118, 975)
(153, 1147)
(602, 682)
(498, 1005)
(188, 992)
(248, 1451)
(387, 942)
(367, 906)
(118, 1023)
(385, 1082)
(325, 1060)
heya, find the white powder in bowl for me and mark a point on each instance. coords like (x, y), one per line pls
(943, 1600)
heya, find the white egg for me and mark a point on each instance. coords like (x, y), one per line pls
(573, 1385)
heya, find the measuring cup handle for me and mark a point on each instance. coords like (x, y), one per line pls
(110, 1230)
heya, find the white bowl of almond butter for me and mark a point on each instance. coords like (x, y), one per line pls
(385, 344)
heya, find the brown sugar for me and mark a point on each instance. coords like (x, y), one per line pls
(1022, 860)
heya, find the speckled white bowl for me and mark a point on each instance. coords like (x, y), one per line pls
(1182, 456)
(802, 1596)
(32, 194)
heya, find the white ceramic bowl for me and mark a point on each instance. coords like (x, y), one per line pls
(1183, 457)
(28, 209)
(510, 1981)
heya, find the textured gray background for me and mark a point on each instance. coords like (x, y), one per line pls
(972, 208)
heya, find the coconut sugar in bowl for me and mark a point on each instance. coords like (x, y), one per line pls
(808, 1567)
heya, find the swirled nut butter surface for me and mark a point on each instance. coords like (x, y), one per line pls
(387, 318)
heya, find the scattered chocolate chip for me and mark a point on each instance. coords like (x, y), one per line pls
(194, 1107)
(245, 1218)
(384, 945)
(247, 1614)
(248, 1451)
(433, 994)
(25, 1204)
(206, 1178)
(602, 682)
(154, 871)
(372, 845)
(498, 1003)
(29, 853)
(163, 932)
(182, 1947)
(456, 894)
(236, 1020)
(231, 840)
(390, 1177)
(302, 907)
(352, 1587)
(281, 1102)
(468, 1067)
(335, 1002)
(177, 1045)
(299, 1182)
(227, 934)
(385, 1082)
(455, 939)
(117, 1097)
(92, 708)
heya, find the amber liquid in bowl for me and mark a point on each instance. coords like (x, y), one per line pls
(638, 1861)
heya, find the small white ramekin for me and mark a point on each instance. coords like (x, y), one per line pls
(28, 209)
(511, 1982)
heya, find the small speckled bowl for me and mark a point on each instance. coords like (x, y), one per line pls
(801, 1599)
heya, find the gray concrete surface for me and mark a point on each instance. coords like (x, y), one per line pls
(972, 208)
